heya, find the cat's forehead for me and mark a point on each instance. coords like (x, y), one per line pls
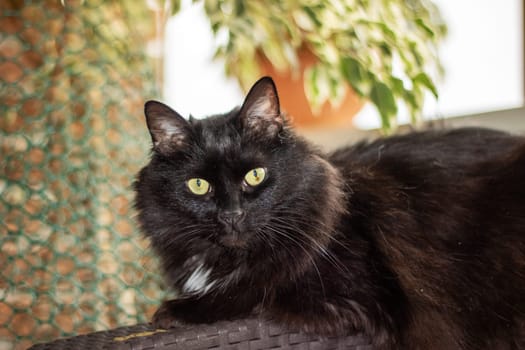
(220, 141)
(219, 135)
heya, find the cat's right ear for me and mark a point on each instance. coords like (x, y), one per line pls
(169, 130)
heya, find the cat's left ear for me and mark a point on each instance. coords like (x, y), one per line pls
(260, 113)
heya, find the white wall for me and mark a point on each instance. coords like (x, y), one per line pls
(194, 83)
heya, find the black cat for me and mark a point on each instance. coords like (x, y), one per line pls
(416, 240)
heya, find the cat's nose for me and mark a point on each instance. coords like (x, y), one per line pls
(231, 217)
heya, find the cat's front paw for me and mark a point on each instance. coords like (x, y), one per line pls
(165, 317)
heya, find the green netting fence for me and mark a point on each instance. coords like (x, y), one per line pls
(73, 79)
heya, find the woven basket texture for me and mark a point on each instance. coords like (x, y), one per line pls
(242, 334)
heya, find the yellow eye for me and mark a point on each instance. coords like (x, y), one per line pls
(255, 176)
(198, 186)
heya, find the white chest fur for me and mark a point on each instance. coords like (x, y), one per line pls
(198, 282)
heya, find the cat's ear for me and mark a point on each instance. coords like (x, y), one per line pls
(169, 130)
(260, 113)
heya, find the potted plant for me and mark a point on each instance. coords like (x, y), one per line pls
(381, 51)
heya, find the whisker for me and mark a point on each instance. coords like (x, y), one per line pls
(291, 238)
(330, 258)
(183, 236)
(293, 217)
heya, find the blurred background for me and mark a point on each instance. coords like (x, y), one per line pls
(74, 76)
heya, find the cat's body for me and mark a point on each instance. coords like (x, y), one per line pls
(417, 240)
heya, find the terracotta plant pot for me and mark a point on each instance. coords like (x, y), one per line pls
(295, 103)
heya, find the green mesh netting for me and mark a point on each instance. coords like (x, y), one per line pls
(74, 76)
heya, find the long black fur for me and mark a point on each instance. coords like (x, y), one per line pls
(416, 240)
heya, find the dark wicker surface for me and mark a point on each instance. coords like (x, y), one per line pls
(243, 335)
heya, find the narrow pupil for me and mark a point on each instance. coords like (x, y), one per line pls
(255, 173)
(198, 182)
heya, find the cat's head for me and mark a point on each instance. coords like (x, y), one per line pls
(239, 184)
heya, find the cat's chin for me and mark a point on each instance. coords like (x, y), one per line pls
(233, 242)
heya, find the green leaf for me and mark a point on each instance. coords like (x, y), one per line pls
(387, 32)
(412, 105)
(421, 23)
(398, 87)
(354, 74)
(175, 6)
(317, 86)
(424, 79)
(239, 8)
(313, 16)
(384, 100)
